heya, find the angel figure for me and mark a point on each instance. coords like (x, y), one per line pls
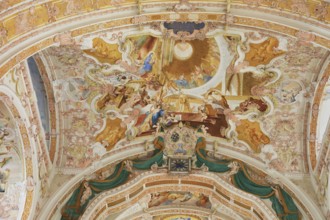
(86, 194)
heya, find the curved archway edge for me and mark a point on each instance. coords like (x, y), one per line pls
(30, 163)
(54, 205)
(148, 183)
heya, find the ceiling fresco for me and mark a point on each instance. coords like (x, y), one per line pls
(172, 110)
(245, 90)
(179, 198)
(249, 89)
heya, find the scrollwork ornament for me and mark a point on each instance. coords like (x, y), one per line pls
(234, 165)
(183, 6)
(129, 165)
(154, 167)
(273, 181)
(3, 36)
(204, 168)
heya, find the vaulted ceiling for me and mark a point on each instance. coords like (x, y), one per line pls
(164, 109)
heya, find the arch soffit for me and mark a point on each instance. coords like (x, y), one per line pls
(314, 115)
(306, 10)
(186, 211)
(51, 105)
(209, 184)
(54, 205)
(138, 211)
(29, 157)
(52, 11)
(43, 33)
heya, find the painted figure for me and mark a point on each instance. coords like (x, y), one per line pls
(87, 193)
(114, 131)
(157, 113)
(147, 64)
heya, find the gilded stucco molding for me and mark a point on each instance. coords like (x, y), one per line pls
(52, 106)
(30, 158)
(231, 197)
(55, 10)
(30, 28)
(314, 116)
(41, 41)
(39, 135)
(53, 206)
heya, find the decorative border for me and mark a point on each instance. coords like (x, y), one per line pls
(9, 12)
(210, 185)
(139, 19)
(174, 210)
(24, 134)
(145, 19)
(314, 117)
(36, 120)
(51, 105)
(62, 195)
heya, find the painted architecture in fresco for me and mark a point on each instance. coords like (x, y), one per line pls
(164, 110)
